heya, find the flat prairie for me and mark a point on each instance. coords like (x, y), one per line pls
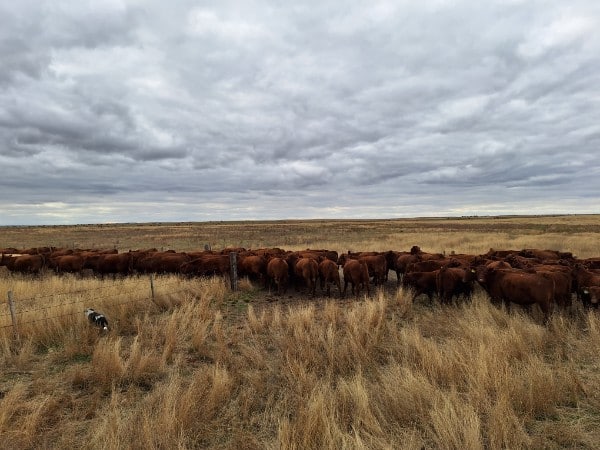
(188, 363)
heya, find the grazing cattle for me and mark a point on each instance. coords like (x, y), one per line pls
(421, 283)
(516, 286)
(278, 273)
(207, 265)
(307, 270)
(454, 282)
(329, 273)
(97, 318)
(356, 273)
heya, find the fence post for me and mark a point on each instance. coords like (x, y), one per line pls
(233, 274)
(13, 317)
(152, 286)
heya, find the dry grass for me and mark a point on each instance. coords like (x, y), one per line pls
(202, 367)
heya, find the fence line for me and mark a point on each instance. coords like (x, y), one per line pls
(13, 314)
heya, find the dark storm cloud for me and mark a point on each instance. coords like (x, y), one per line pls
(128, 110)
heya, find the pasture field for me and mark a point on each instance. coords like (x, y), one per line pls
(199, 366)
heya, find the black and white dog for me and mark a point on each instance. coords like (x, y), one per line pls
(96, 318)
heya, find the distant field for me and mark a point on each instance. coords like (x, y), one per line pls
(578, 234)
(200, 366)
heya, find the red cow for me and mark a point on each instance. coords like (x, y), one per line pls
(376, 264)
(594, 295)
(454, 282)
(207, 265)
(252, 266)
(583, 278)
(421, 283)
(278, 273)
(307, 270)
(356, 273)
(329, 273)
(516, 286)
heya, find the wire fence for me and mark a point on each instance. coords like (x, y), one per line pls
(90, 296)
(17, 316)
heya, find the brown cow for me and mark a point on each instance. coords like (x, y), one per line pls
(109, 263)
(583, 278)
(67, 263)
(28, 264)
(207, 265)
(252, 266)
(454, 282)
(315, 254)
(162, 262)
(278, 273)
(376, 264)
(517, 286)
(563, 281)
(421, 283)
(329, 273)
(594, 295)
(402, 262)
(307, 269)
(356, 273)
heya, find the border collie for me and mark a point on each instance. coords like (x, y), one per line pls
(97, 318)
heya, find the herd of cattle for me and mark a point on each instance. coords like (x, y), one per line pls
(528, 276)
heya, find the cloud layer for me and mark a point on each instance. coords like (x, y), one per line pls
(127, 111)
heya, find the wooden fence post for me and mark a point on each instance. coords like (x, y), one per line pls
(152, 286)
(13, 317)
(233, 274)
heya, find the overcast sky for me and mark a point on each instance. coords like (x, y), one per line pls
(137, 111)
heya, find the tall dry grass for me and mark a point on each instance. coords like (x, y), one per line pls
(377, 373)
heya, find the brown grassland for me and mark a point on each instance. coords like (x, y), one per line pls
(201, 366)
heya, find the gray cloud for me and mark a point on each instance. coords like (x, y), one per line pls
(137, 111)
